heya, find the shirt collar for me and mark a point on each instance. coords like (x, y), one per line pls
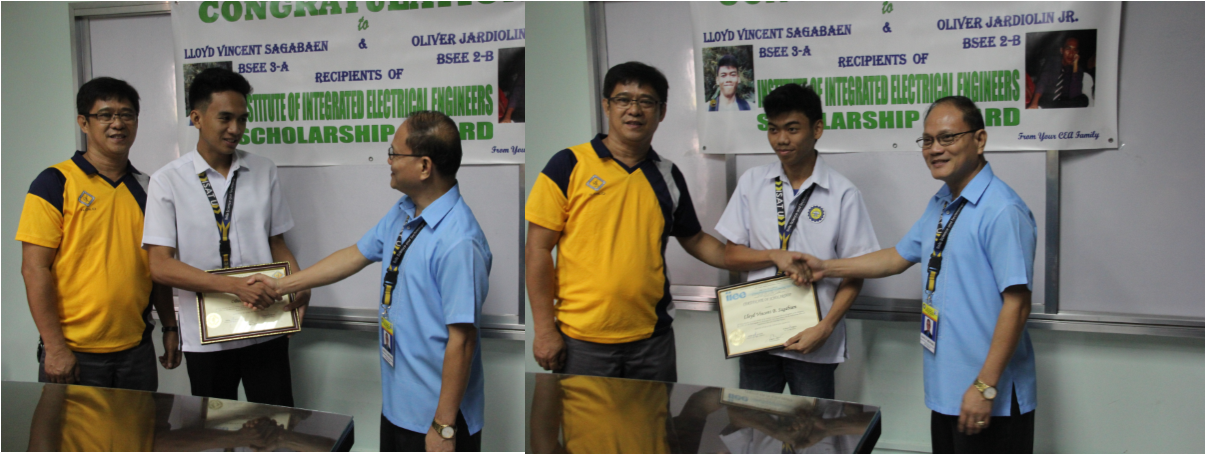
(435, 212)
(820, 174)
(974, 189)
(200, 165)
(89, 169)
(604, 153)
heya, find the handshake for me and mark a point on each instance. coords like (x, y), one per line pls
(800, 267)
(261, 291)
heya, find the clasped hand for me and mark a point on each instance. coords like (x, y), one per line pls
(792, 264)
(273, 287)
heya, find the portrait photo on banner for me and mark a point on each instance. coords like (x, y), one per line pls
(729, 78)
(511, 85)
(1060, 69)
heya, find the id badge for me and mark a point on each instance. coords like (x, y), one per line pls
(387, 342)
(929, 327)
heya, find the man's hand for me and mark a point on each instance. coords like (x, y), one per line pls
(810, 339)
(549, 350)
(435, 443)
(815, 266)
(60, 366)
(975, 409)
(171, 350)
(792, 264)
(254, 295)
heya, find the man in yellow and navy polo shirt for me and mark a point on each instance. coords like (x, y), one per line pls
(609, 206)
(86, 274)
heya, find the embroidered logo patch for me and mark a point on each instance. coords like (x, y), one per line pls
(86, 198)
(816, 214)
(595, 183)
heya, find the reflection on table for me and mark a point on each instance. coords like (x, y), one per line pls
(588, 414)
(83, 418)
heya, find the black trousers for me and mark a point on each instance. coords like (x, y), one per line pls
(263, 368)
(133, 368)
(398, 439)
(1013, 434)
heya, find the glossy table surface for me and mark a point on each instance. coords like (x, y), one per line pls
(57, 417)
(588, 414)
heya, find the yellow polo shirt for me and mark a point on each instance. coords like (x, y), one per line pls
(102, 278)
(614, 221)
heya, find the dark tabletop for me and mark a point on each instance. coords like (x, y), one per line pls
(58, 417)
(588, 414)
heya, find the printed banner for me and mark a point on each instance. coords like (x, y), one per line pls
(1044, 74)
(333, 80)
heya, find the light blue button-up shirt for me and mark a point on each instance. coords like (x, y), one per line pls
(990, 248)
(443, 279)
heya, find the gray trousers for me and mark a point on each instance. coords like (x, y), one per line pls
(133, 368)
(652, 358)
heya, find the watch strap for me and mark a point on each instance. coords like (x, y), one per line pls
(439, 428)
(167, 329)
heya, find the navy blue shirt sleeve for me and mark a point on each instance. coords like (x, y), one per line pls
(686, 224)
(49, 185)
(559, 168)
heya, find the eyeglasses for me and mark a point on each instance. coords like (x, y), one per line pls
(624, 102)
(389, 154)
(107, 117)
(945, 139)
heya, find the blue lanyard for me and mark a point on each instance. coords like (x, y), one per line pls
(940, 238)
(391, 273)
(223, 220)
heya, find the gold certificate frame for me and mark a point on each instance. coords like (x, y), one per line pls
(222, 316)
(761, 315)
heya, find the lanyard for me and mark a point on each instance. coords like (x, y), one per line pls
(391, 273)
(223, 220)
(940, 238)
(787, 226)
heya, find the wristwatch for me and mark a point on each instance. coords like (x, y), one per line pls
(445, 431)
(989, 392)
(166, 329)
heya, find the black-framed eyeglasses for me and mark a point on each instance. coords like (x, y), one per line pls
(624, 102)
(389, 154)
(944, 139)
(107, 117)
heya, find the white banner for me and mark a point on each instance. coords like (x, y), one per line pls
(333, 80)
(1044, 74)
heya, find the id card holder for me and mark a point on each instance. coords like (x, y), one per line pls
(387, 341)
(929, 327)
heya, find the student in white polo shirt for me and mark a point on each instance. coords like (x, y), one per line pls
(182, 237)
(824, 216)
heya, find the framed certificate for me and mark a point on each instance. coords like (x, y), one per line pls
(762, 315)
(223, 317)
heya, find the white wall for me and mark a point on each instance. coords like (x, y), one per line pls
(333, 370)
(1097, 392)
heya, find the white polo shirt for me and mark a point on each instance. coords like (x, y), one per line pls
(179, 215)
(834, 224)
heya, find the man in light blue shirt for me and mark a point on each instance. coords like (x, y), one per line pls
(976, 290)
(435, 275)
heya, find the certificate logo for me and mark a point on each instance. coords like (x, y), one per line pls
(595, 183)
(816, 214)
(86, 199)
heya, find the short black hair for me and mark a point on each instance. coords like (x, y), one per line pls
(638, 72)
(434, 135)
(104, 88)
(971, 114)
(215, 80)
(728, 60)
(794, 98)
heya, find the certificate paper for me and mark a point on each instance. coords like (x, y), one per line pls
(762, 315)
(224, 318)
